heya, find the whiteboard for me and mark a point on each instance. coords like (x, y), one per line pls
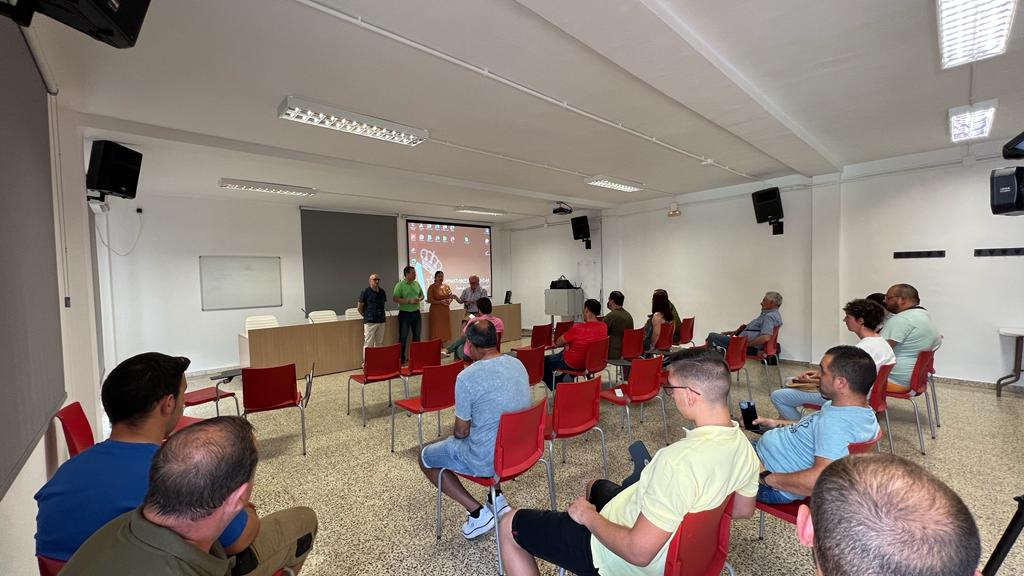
(234, 282)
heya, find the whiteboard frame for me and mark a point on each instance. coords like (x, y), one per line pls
(202, 292)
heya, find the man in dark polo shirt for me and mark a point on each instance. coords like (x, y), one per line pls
(618, 321)
(200, 479)
(371, 305)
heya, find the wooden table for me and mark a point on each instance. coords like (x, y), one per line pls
(338, 346)
(1018, 335)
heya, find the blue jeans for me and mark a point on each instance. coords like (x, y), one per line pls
(408, 321)
(718, 340)
(445, 454)
(789, 400)
(770, 495)
(552, 363)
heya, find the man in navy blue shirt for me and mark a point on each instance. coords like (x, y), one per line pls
(143, 398)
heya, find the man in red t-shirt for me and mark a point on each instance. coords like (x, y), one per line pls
(576, 341)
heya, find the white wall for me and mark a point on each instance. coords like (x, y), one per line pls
(154, 291)
(18, 516)
(716, 264)
(969, 298)
(541, 254)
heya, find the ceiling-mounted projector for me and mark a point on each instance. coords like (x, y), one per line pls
(562, 209)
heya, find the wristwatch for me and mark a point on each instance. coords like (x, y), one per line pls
(762, 476)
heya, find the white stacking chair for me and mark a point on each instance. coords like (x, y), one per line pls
(321, 316)
(353, 314)
(258, 322)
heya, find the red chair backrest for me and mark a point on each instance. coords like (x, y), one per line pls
(77, 432)
(49, 566)
(540, 335)
(520, 441)
(922, 367)
(533, 361)
(644, 378)
(771, 347)
(437, 389)
(577, 407)
(383, 361)
(665, 336)
(597, 356)
(422, 354)
(865, 446)
(686, 331)
(498, 345)
(701, 544)
(264, 388)
(877, 398)
(632, 343)
(736, 353)
(560, 329)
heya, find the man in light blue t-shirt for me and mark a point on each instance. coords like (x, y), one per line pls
(759, 330)
(793, 454)
(493, 385)
(909, 331)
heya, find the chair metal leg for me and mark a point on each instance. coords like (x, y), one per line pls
(238, 411)
(664, 417)
(405, 382)
(497, 540)
(348, 395)
(551, 482)
(920, 433)
(392, 428)
(629, 426)
(438, 423)
(729, 570)
(362, 393)
(437, 519)
(764, 365)
(760, 525)
(389, 392)
(928, 407)
(563, 450)
(551, 449)
(419, 429)
(302, 423)
(778, 368)
(750, 391)
(935, 400)
(888, 431)
(604, 452)
(641, 413)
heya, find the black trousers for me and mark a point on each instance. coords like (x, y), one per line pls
(408, 321)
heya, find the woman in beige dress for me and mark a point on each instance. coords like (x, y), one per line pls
(439, 296)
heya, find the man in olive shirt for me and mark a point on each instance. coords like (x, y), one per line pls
(200, 479)
(408, 294)
(618, 321)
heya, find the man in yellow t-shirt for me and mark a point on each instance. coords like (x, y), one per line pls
(625, 530)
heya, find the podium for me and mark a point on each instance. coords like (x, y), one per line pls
(563, 301)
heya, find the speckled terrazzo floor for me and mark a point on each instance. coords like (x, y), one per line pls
(376, 509)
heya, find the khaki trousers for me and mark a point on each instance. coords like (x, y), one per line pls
(275, 545)
(373, 335)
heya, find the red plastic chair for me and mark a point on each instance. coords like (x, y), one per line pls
(701, 543)
(518, 446)
(685, 335)
(437, 393)
(595, 361)
(49, 566)
(918, 387)
(185, 422)
(736, 359)
(632, 348)
(788, 511)
(770, 350)
(533, 361)
(266, 389)
(560, 329)
(210, 394)
(421, 354)
(540, 336)
(643, 385)
(381, 364)
(576, 410)
(77, 431)
(664, 343)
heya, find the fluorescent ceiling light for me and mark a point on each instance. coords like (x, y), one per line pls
(253, 186)
(481, 211)
(972, 30)
(970, 122)
(615, 183)
(315, 114)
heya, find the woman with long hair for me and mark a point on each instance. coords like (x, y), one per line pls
(439, 296)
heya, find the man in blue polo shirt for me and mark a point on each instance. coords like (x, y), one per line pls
(144, 398)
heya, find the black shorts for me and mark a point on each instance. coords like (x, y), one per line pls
(557, 538)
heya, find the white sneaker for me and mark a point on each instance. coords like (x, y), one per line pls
(500, 507)
(482, 524)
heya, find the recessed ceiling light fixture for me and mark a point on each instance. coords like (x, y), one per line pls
(615, 183)
(673, 210)
(325, 116)
(269, 187)
(972, 30)
(481, 211)
(970, 122)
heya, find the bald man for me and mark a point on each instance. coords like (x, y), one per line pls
(471, 294)
(879, 514)
(372, 301)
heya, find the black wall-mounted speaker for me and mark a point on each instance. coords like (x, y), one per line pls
(113, 169)
(767, 205)
(580, 228)
(114, 22)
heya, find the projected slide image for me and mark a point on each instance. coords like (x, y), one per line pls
(458, 250)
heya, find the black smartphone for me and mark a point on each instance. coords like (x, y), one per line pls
(748, 410)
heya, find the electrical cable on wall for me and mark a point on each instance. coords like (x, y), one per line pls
(138, 234)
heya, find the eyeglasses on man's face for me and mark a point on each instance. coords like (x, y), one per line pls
(667, 389)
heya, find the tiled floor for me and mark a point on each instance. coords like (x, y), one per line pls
(377, 510)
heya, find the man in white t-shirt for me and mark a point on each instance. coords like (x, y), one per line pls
(862, 318)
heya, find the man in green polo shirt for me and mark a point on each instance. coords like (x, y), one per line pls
(408, 294)
(199, 480)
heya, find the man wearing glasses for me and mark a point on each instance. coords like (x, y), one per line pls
(626, 529)
(371, 305)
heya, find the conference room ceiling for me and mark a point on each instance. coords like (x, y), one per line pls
(623, 88)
